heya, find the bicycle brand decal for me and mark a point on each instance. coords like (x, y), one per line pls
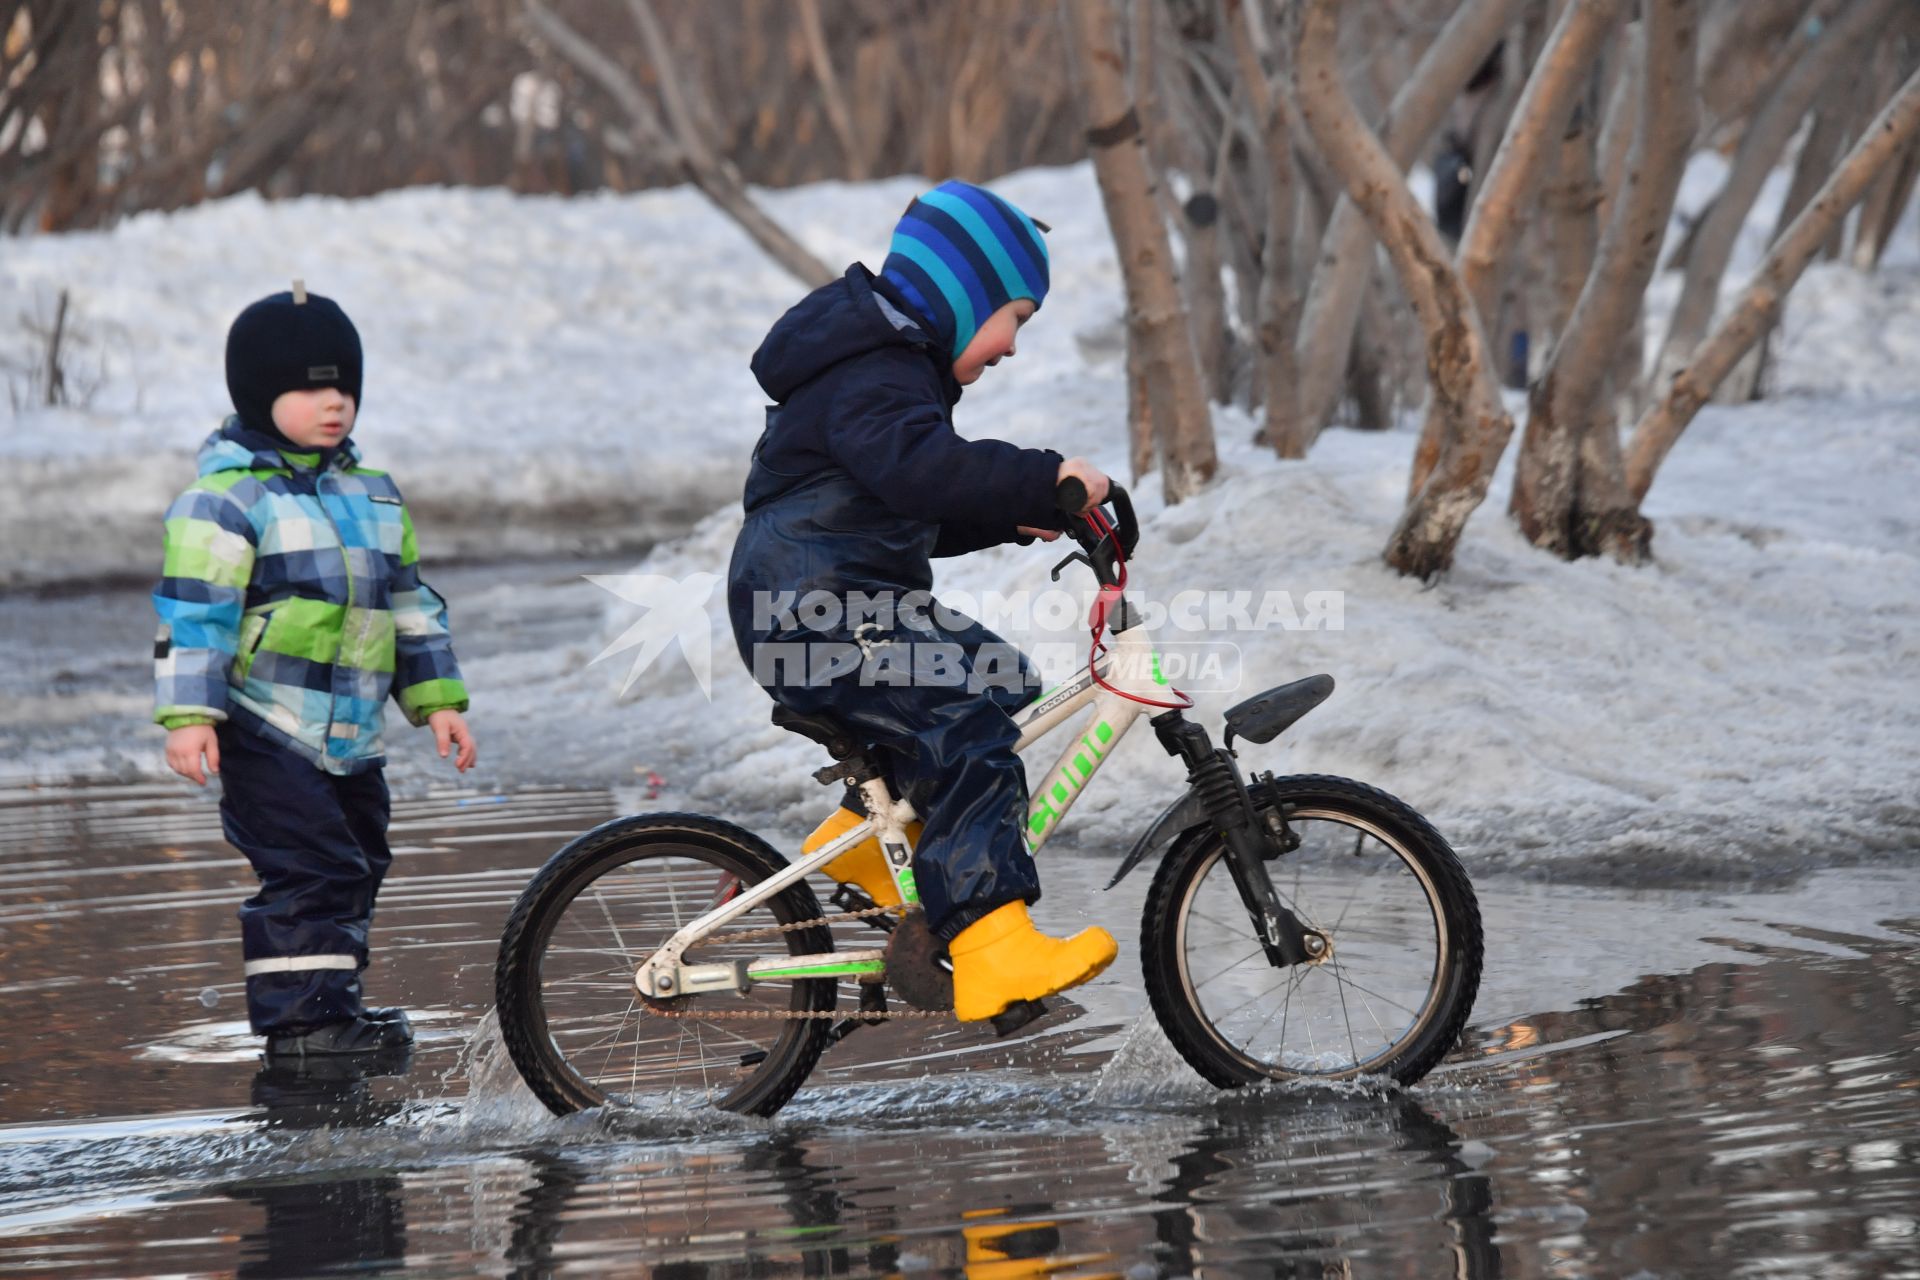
(1073, 774)
(1051, 700)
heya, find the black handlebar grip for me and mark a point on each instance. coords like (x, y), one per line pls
(1070, 495)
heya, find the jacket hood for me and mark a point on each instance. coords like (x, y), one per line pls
(845, 318)
(237, 447)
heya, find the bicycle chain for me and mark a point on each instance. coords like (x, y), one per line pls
(776, 930)
(801, 1015)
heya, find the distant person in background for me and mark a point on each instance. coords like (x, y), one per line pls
(290, 607)
(1470, 119)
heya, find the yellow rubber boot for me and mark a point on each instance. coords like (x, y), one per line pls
(863, 866)
(1001, 958)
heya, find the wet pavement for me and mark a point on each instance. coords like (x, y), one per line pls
(1657, 1083)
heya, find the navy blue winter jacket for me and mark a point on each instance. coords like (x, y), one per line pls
(859, 476)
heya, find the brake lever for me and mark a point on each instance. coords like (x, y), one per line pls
(1072, 556)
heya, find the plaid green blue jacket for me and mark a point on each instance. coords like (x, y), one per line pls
(291, 603)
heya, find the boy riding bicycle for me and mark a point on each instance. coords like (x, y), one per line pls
(858, 480)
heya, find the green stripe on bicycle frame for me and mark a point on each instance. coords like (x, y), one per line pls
(846, 969)
(909, 891)
(1158, 678)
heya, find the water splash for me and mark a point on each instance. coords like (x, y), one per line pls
(1147, 1071)
(497, 1098)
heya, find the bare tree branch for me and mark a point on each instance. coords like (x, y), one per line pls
(1760, 148)
(831, 96)
(1895, 128)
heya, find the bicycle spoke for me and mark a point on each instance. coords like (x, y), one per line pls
(616, 1032)
(1244, 1003)
(1383, 999)
(1231, 966)
(1340, 987)
(1201, 915)
(1369, 1008)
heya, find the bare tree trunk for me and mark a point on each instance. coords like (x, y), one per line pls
(1370, 380)
(1825, 140)
(1279, 302)
(1460, 376)
(1823, 145)
(831, 97)
(1143, 433)
(1171, 373)
(1516, 170)
(1565, 400)
(1893, 130)
(1743, 54)
(1333, 300)
(1560, 76)
(1878, 220)
(1766, 136)
(1180, 137)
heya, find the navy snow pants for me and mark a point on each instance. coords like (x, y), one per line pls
(318, 843)
(946, 738)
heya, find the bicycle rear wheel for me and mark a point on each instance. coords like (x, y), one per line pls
(1394, 989)
(583, 1036)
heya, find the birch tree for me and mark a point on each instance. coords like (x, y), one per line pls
(1175, 400)
(1570, 449)
(1460, 376)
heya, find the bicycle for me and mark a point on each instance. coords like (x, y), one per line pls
(655, 930)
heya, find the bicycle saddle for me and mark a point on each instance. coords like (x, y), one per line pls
(1262, 717)
(840, 741)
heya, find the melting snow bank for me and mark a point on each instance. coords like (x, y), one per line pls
(542, 374)
(547, 372)
(1742, 707)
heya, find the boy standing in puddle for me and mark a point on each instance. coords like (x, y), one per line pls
(291, 607)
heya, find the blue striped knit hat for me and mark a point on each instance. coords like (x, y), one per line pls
(959, 254)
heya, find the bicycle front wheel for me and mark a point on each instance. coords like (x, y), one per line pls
(1391, 993)
(579, 1031)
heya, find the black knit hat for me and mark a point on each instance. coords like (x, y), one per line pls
(294, 341)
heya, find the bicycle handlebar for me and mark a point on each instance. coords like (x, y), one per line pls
(1070, 495)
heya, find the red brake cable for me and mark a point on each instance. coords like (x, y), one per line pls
(1103, 526)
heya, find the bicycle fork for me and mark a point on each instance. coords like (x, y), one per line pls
(1215, 779)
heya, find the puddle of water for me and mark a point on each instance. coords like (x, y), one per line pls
(1659, 1083)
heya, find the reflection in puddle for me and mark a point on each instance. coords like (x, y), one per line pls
(1732, 1097)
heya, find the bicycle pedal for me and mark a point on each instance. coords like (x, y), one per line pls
(1017, 1015)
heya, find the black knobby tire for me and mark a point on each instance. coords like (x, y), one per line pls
(690, 840)
(1170, 930)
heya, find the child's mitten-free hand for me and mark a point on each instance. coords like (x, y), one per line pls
(450, 729)
(186, 745)
(1089, 475)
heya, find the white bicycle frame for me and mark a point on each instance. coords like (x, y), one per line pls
(1130, 664)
